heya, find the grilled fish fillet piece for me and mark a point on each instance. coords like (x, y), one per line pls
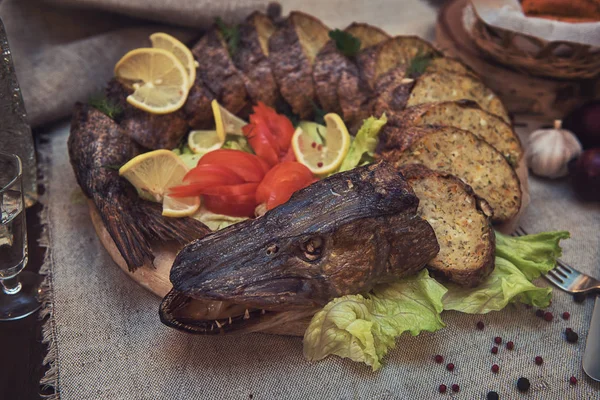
(252, 60)
(292, 52)
(461, 221)
(392, 92)
(96, 144)
(197, 107)
(152, 131)
(219, 74)
(432, 87)
(469, 116)
(460, 153)
(363, 231)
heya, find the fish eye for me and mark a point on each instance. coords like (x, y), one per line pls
(272, 249)
(312, 248)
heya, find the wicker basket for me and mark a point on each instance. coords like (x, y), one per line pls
(562, 60)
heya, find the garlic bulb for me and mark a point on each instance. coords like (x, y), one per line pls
(550, 150)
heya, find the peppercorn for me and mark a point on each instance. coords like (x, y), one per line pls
(510, 345)
(548, 316)
(495, 368)
(492, 396)
(539, 313)
(439, 359)
(579, 297)
(497, 340)
(495, 350)
(523, 384)
(455, 388)
(566, 316)
(443, 388)
(573, 380)
(568, 330)
(480, 325)
(572, 337)
(539, 360)
(450, 367)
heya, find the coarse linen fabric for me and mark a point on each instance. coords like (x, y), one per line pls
(105, 338)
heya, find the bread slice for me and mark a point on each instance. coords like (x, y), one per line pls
(251, 58)
(451, 65)
(400, 51)
(219, 74)
(460, 153)
(444, 86)
(461, 221)
(292, 52)
(467, 115)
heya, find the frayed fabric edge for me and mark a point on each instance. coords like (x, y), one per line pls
(46, 314)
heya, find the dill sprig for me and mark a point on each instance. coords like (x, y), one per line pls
(106, 106)
(231, 35)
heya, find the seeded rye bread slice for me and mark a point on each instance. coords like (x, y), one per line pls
(459, 153)
(445, 86)
(467, 115)
(461, 223)
(292, 52)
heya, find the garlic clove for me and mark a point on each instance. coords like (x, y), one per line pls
(550, 150)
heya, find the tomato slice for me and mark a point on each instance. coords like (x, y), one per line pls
(238, 206)
(248, 166)
(215, 174)
(281, 182)
(192, 189)
(280, 126)
(261, 141)
(232, 190)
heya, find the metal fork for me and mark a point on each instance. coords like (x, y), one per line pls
(567, 278)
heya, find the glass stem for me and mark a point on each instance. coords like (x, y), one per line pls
(11, 285)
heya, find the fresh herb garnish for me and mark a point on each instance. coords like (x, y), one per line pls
(319, 113)
(321, 137)
(106, 106)
(419, 64)
(284, 108)
(346, 43)
(231, 35)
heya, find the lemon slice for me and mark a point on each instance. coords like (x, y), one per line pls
(184, 55)
(160, 80)
(153, 173)
(323, 154)
(204, 141)
(226, 122)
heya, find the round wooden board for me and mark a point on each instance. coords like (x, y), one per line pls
(521, 93)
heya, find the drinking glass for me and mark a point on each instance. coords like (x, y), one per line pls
(20, 290)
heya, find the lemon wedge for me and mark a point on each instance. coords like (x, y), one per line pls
(160, 80)
(153, 173)
(322, 153)
(202, 142)
(181, 51)
(226, 123)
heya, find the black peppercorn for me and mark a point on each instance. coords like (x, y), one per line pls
(572, 337)
(492, 396)
(523, 384)
(579, 297)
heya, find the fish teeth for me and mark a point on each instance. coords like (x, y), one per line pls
(246, 314)
(229, 320)
(218, 324)
(263, 312)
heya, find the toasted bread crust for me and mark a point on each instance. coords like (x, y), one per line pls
(466, 256)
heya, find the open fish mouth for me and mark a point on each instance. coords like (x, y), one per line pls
(210, 317)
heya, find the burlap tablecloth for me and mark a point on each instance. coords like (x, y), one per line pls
(105, 339)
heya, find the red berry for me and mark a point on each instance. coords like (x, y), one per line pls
(495, 350)
(480, 325)
(539, 360)
(495, 368)
(439, 359)
(497, 340)
(443, 388)
(450, 367)
(548, 316)
(566, 315)
(539, 313)
(573, 380)
(455, 388)
(510, 345)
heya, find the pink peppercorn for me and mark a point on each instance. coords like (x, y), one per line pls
(497, 340)
(539, 360)
(548, 316)
(450, 367)
(573, 380)
(495, 350)
(510, 345)
(443, 388)
(439, 359)
(480, 325)
(566, 316)
(495, 368)
(455, 388)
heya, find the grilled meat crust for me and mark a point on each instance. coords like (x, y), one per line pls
(292, 52)
(469, 116)
(393, 90)
(461, 221)
(152, 131)
(219, 74)
(197, 107)
(432, 87)
(459, 153)
(252, 60)
(329, 65)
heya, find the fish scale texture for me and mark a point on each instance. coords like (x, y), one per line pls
(110, 343)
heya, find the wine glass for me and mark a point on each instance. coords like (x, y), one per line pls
(20, 292)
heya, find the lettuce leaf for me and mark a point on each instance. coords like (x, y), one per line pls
(214, 221)
(364, 144)
(363, 328)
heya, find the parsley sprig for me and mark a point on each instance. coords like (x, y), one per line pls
(106, 106)
(231, 35)
(419, 64)
(346, 43)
